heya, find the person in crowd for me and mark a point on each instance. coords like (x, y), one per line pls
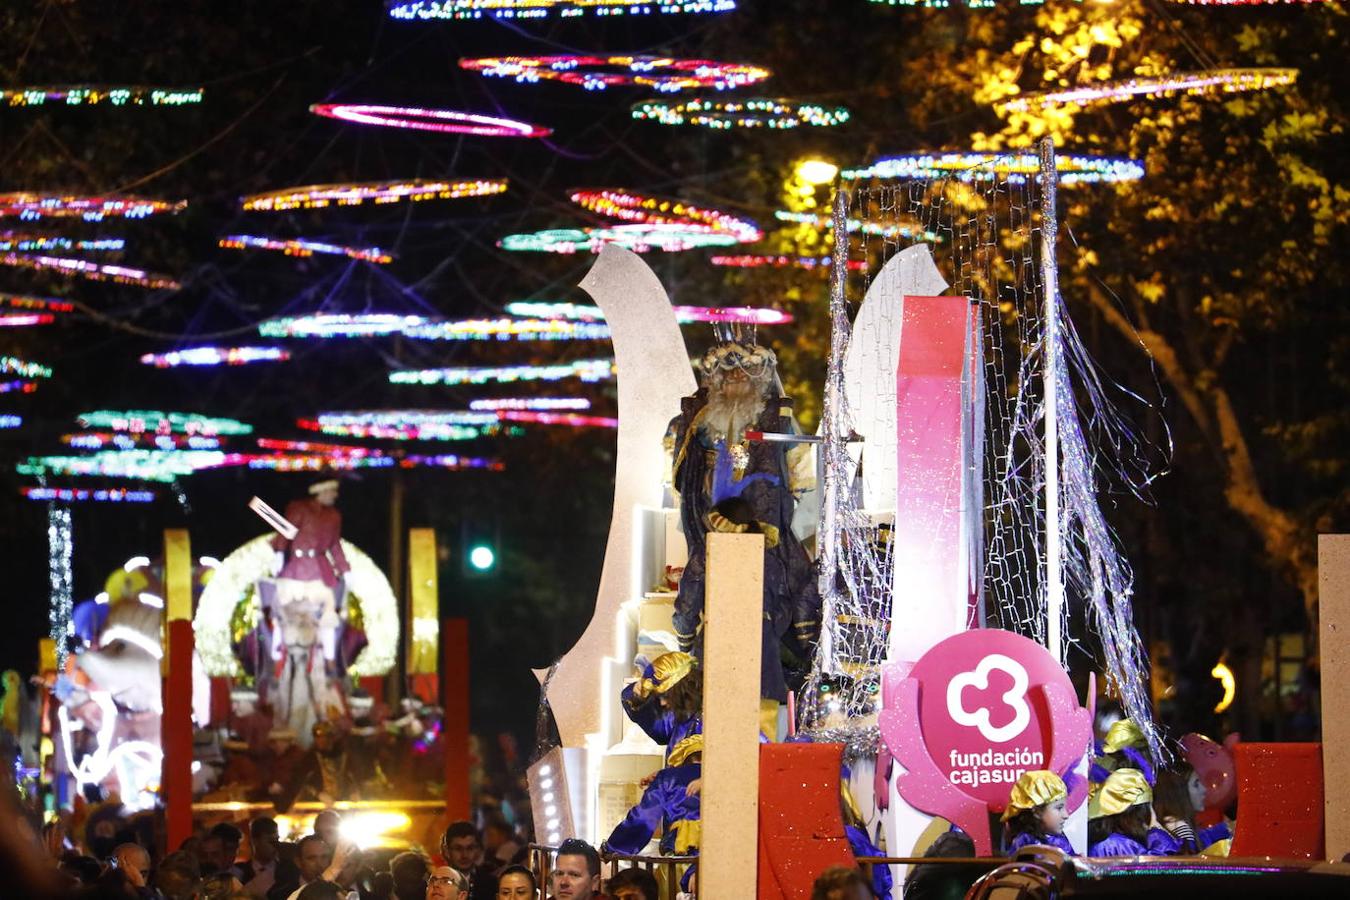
(841, 883)
(410, 871)
(268, 865)
(178, 877)
(327, 825)
(129, 874)
(445, 883)
(576, 872)
(1036, 812)
(321, 890)
(230, 838)
(499, 842)
(462, 848)
(517, 883)
(934, 881)
(633, 884)
(1119, 816)
(81, 869)
(211, 858)
(313, 856)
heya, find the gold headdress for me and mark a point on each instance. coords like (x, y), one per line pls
(1121, 790)
(1033, 789)
(668, 670)
(1123, 733)
(680, 753)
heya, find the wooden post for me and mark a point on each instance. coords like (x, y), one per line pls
(1333, 603)
(455, 733)
(176, 726)
(423, 644)
(732, 642)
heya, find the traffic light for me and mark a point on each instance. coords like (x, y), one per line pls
(478, 548)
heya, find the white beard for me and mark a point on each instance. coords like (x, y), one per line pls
(731, 409)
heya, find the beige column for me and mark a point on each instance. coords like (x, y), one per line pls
(1333, 605)
(733, 624)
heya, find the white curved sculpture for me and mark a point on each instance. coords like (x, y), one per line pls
(871, 361)
(654, 373)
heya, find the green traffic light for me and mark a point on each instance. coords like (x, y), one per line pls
(482, 558)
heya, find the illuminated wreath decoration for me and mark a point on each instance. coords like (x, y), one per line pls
(234, 582)
(1210, 81)
(94, 95)
(356, 193)
(537, 9)
(595, 73)
(1073, 168)
(446, 121)
(28, 205)
(757, 112)
(643, 209)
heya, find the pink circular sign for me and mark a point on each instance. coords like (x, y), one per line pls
(984, 712)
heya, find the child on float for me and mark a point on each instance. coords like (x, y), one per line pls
(1177, 797)
(667, 701)
(1120, 819)
(671, 801)
(1036, 812)
(1123, 747)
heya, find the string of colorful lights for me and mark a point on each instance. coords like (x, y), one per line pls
(40, 243)
(405, 461)
(1210, 81)
(215, 356)
(29, 206)
(311, 462)
(288, 446)
(943, 4)
(356, 193)
(757, 112)
(18, 386)
(495, 404)
(415, 428)
(967, 166)
(340, 325)
(508, 329)
(83, 495)
(545, 309)
(571, 420)
(136, 421)
(446, 121)
(83, 268)
(25, 320)
(638, 238)
(745, 315)
(535, 9)
(140, 465)
(754, 261)
(910, 232)
(12, 365)
(96, 95)
(587, 370)
(35, 304)
(451, 462)
(112, 440)
(8, 420)
(303, 247)
(644, 209)
(663, 73)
